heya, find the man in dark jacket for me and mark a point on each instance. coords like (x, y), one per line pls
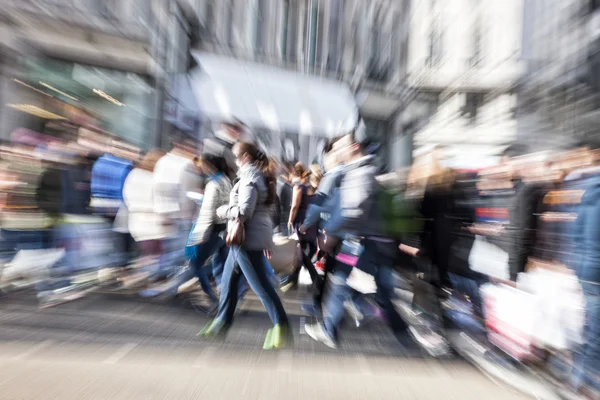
(357, 224)
(318, 213)
(284, 192)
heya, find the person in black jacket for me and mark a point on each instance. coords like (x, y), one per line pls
(437, 208)
(284, 192)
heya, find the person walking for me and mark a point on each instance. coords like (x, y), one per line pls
(365, 250)
(174, 176)
(307, 241)
(317, 214)
(285, 193)
(145, 226)
(206, 238)
(250, 204)
(226, 136)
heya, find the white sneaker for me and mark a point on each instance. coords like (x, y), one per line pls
(317, 332)
(354, 313)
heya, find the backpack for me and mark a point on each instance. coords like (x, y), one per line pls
(400, 215)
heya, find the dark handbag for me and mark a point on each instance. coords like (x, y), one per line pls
(236, 233)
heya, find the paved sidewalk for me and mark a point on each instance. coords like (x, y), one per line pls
(53, 370)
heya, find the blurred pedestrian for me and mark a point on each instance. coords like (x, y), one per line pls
(145, 226)
(437, 209)
(365, 255)
(227, 135)
(108, 178)
(325, 201)
(250, 203)
(285, 191)
(206, 240)
(174, 176)
(302, 196)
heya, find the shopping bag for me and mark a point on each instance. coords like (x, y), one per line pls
(510, 316)
(283, 254)
(489, 259)
(559, 305)
(361, 281)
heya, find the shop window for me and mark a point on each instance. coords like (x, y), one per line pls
(477, 52)
(262, 23)
(291, 33)
(472, 103)
(335, 34)
(434, 57)
(322, 33)
(312, 18)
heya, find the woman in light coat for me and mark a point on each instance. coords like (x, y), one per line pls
(145, 226)
(207, 236)
(251, 202)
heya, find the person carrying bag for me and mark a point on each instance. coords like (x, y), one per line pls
(250, 237)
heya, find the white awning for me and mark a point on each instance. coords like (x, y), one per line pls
(272, 98)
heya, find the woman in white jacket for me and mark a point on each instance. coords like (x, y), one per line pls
(207, 236)
(145, 226)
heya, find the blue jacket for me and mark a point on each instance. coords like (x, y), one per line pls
(585, 234)
(357, 212)
(108, 177)
(325, 200)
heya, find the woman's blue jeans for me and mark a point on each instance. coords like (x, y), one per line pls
(215, 247)
(371, 261)
(586, 358)
(248, 264)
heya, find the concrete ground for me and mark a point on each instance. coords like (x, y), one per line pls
(119, 347)
(53, 370)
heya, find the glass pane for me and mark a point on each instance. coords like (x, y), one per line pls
(335, 34)
(312, 17)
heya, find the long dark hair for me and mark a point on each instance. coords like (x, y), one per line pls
(261, 161)
(218, 163)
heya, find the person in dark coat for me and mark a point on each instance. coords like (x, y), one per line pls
(284, 193)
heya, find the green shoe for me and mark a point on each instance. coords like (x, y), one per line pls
(212, 329)
(282, 336)
(268, 345)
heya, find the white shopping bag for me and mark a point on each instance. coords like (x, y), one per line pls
(510, 316)
(489, 259)
(284, 251)
(304, 278)
(362, 282)
(560, 305)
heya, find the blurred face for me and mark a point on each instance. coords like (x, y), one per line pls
(232, 131)
(241, 158)
(343, 150)
(330, 161)
(206, 168)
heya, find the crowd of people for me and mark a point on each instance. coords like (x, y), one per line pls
(353, 230)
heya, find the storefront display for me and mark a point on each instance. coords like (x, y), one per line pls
(118, 102)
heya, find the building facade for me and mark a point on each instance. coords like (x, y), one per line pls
(464, 62)
(361, 43)
(559, 93)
